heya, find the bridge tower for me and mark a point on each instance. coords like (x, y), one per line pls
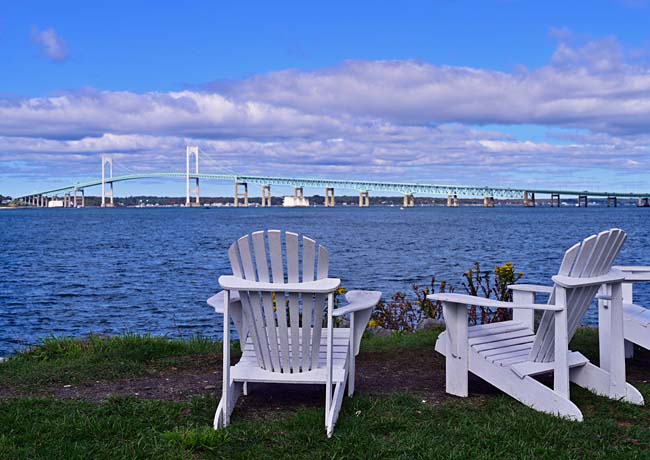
(189, 151)
(107, 160)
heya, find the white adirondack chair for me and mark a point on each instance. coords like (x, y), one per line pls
(510, 353)
(636, 318)
(279, 316)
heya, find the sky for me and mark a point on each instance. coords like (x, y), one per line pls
(551, 94)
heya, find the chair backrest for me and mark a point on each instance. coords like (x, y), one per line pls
(594, 256)
(285, 328)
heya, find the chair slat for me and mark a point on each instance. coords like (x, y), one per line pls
(271, 330)
(275, 250)
(283, 331)
(323, 263)
(261, 262)
(319, 305)
(308, 258)
(294, 318)
(306, 317)
(260, 327)
(246, 258)
(249, 318)
(291, 240)
(235, 263)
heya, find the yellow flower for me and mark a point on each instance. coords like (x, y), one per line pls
(373, 323)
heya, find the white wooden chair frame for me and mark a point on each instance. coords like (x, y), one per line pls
(509, 354)
(636, 318)
(268, 351)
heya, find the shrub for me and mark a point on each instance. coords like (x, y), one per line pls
(480, 283)
(403, 314)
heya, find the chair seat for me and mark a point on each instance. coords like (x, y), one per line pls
(248, 369)
(505, 343)
(637, 313)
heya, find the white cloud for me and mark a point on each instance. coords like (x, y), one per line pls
(52, 45)
(400, 120)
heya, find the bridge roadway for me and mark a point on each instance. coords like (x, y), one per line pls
(358, 185)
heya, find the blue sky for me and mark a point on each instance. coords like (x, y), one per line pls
(547, 93)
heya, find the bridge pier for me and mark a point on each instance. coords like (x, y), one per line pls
(612, 199)
(529, 199)
(583, 199)
(555, 197)
(329, 197)
(189, 151)
(266, 196)
(364, 199)
(452, 201)
(80, 200)
(488, 202)
(243, 195)
(409, 200)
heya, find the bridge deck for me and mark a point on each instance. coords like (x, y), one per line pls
(362, 186)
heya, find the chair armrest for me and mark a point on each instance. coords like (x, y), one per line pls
(483, 302)
(531, 288)
(573, 281)
(635, 272)
(216, 301)
(357, 301)
(322, 286)
(632, 268)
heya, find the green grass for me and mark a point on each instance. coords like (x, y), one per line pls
(392, 426)
(69, 361)
(400, 341)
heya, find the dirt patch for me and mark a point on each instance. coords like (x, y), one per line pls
(419, 372)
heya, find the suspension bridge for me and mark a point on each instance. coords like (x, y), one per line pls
(74, 194)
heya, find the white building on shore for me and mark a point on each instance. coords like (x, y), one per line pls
(295, 202)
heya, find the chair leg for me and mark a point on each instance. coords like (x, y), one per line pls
(456, 355)
(351, 371)
(332, 416)
(598, 381)
(227, 405)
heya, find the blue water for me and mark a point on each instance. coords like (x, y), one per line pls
(75, 271)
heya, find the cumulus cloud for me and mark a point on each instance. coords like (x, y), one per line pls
(399, 120)
(51, 44)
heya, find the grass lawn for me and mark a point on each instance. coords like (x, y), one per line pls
(53, 404)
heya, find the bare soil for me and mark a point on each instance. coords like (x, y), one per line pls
(419, 372)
